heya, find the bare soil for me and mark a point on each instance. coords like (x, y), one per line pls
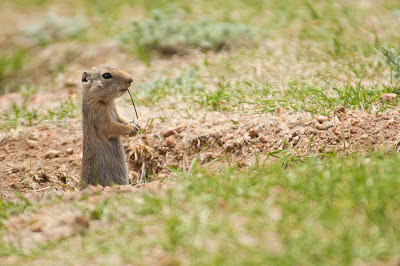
(48, 157)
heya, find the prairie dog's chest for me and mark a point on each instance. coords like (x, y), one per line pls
(113, 114)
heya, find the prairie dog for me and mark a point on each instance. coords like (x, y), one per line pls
(103, 160)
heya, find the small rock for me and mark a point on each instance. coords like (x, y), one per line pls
(295, 140)
(391, 122)
(364, 136)
(388, 97)
(33, 137)
(336, 132)
(36, 228)
(303, 142)
(329, 148)
(31, 143)
(253, 132)
(168, 132)
(340, 109)
(320, 127)
(170, 141)
(69, 151)
(64, 142)
(321, 118)
(280, 110)
(81, 223)
(263, 139)
(52, 154)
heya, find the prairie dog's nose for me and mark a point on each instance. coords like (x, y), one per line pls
(130, 80)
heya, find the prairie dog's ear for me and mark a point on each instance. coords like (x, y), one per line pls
(85, 76)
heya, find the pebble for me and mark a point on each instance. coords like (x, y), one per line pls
(33, 137)
(253, 132)
(280, 110)
(168, 132)
(320, 127)
(388, 97)
(364, 136)
(303, 142)
(329, 148)
(321, 118)
(52, 154)
(170, 141)
(31, 143)
(340, 109)
(263, 139)
(69, 151)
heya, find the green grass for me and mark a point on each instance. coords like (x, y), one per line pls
(8, 208)
(262, 97)
(11, 65)
(24, 115)
(314, 211)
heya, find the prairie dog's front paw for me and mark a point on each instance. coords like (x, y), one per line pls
(131, 122)
(134, 129)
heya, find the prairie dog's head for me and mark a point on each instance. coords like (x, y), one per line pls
(105, 83)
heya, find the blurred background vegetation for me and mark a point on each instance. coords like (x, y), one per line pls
(314, 32)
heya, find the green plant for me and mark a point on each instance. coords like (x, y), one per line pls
(169, 34)
(10, 65)
(23, 115)
(20, 114)
(393, 60)
(65, 109)
(56, 28)
(182, 86)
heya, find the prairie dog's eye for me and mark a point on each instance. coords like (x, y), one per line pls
(107, 76)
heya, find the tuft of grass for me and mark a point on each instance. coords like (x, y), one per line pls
(66, 109)
(185, 85)
(20, 114)
(7, 209)
(23, 115)
(393, 60)
(11, 65)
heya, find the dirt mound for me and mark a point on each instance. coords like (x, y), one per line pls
(48, 157)
(237, 138)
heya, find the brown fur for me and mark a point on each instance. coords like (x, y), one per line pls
(103, 159)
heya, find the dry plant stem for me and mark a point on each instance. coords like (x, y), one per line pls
(137, 117)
